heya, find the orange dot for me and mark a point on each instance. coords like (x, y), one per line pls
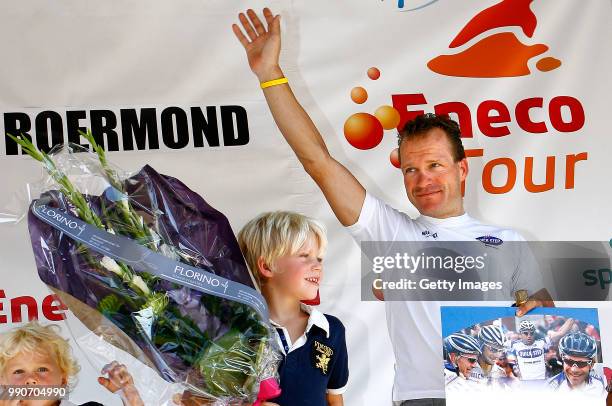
(548, 63)
(394, 158)
(363, 131)
(359, 95)
(388, 117)
(373, 73)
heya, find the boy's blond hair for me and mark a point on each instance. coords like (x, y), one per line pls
(36, 338)
(275, 234)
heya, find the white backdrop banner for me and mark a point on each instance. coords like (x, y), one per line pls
(167, 84)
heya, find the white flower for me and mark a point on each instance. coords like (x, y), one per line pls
(111, 265)
(124, 203)
(140, 284)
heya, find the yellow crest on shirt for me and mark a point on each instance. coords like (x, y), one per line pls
(322, 355)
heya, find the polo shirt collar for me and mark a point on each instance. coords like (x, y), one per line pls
(316, 318)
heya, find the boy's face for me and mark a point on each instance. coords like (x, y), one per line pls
(33, 368)
(299, 275)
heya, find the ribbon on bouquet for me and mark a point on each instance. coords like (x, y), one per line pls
(142, 259)
(268, 389)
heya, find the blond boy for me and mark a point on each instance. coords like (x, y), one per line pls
(285, 251)
(34, 354)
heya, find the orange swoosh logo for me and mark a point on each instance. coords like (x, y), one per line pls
(496, 55)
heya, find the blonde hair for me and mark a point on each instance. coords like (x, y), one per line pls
(276, 234)
(36, 338)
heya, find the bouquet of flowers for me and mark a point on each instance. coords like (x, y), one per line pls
(161, 267)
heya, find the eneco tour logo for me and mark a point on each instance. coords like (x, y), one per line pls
(500, 54)
(497, 55)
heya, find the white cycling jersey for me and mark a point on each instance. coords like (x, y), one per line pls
(594, 386)
(456, 382)
(477, 374)
(530, 358)
(414, 326)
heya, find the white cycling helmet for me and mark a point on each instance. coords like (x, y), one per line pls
(526, 325)
(462, 344)
(492, 336)
(578, 345)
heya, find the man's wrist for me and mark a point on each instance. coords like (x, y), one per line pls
(271, 74)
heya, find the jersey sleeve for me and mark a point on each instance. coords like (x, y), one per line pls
(377, 221)
(338, 378)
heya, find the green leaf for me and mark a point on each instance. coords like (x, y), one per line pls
(109, 305)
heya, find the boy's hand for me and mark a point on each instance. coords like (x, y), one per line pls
(262, 45)
(120, 379)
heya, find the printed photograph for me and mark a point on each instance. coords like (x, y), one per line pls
(548, 352)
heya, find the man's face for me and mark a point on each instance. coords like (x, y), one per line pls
(465, 363)
(576, 369)
(432, 178)
(491, 354)
(528, 337)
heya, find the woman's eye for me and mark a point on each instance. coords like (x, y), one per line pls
(42, 369)
(18, 371)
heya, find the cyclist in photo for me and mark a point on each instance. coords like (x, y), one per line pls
(463, 352)
(492, 345)
(578, 352)
(529, 353)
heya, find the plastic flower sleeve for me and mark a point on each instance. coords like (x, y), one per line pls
(219, 347)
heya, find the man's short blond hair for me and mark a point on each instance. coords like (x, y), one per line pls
(276, 234)
(36, 338)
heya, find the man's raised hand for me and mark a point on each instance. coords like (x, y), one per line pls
(262, 44)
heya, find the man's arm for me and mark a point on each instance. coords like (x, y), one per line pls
(342, 190)
(563, 330)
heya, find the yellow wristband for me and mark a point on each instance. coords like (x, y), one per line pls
(273, 82)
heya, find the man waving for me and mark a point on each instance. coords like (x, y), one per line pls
(433, 165)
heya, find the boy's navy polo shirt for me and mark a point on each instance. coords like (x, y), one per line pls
(315, 365)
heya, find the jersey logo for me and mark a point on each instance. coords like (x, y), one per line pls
(531, 353)
(321, 356)
(428, 233)
(490, 240)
